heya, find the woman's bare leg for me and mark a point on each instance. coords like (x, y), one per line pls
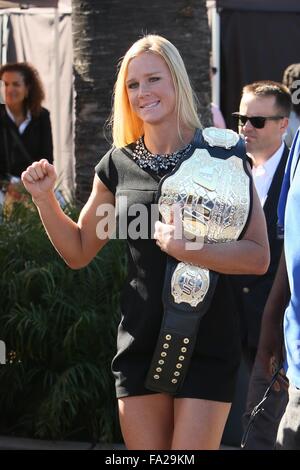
(198, 424)
(147, 421)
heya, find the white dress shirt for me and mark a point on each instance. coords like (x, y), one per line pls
(24, 124)
(263, 174)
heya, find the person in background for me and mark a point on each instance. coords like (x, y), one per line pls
(25, 127)
(281, 317)
(291, 79)
(174, 383)
(263, 120)
(218, 118)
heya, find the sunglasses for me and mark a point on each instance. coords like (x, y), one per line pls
(256, 121)
(259, 408)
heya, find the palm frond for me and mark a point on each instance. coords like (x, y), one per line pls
(59, 327)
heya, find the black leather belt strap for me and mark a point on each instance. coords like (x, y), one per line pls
(177, 337)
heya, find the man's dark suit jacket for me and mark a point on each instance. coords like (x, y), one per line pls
(251, 292)
(37, 140)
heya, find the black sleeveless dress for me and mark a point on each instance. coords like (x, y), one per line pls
(214, 365)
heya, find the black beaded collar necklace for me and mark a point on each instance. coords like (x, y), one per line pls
(156, 162)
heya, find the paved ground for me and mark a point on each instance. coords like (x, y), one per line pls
(18, 443)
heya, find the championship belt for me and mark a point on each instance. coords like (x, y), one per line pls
(212, 189)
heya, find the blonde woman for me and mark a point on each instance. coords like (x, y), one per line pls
(155, 129)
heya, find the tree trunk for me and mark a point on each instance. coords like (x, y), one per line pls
(102, 32)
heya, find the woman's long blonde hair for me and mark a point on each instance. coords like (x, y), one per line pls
(126, 125)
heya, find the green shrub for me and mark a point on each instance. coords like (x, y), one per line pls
(59, 326)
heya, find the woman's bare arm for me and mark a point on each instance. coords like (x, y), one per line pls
(77, 243)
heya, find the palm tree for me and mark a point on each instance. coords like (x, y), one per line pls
(102, 32)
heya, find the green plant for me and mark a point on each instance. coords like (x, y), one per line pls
(59, 326)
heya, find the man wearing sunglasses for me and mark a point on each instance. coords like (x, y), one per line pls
(262, 120)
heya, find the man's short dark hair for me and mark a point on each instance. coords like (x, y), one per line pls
(269, 88)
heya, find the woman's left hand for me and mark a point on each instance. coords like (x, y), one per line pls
(169, 236)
